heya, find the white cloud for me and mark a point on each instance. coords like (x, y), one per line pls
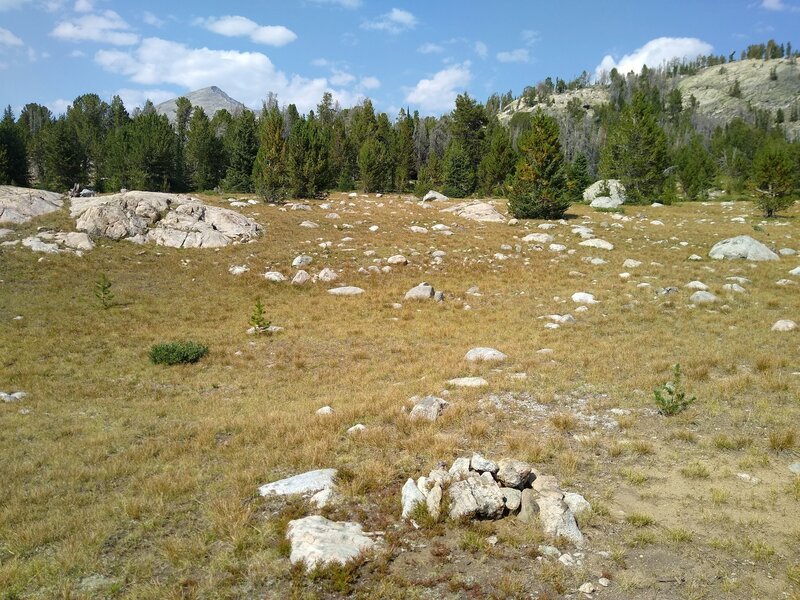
(10, 4)
(9, 39)
(370, 83)
(481, 49)
(339, 77)
(238, 26)
(152, 19)
(430, 48)
(77, 54)
(246, 76)
(132, 98)
(83, 6)
(520, 55)
(107, 27)
(439, 92)
(778, 6)
(59, 107)
(654, 53)
(394, 22)
(342, 3)
(530, 37)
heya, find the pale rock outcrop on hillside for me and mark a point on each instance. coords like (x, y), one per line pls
(174, 220)
(20, 205)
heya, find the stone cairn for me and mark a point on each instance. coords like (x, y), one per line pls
(477, 488)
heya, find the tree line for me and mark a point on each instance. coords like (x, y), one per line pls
(647, 135)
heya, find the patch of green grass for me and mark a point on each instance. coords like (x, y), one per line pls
(783, 439)
(679, 535)
(176, 353)
(635, 477)
(473, 542)
(640, 519)
(695, 470)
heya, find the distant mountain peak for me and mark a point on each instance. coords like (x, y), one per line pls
(211, 99)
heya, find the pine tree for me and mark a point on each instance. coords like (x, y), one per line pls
(636, 151)
(242, 146)
(539, 187)
(406, 162)
(14, 167)
(269, 170)
(148, 142)
(467, 128)
(774, 177)
(498, 162)
(696, 169)
(578, 177)
(89, 116)
(33, 121)
(63, 156)
(457, 171)
(371, 165)
(204, 153)
(183, 113)
(307, 150)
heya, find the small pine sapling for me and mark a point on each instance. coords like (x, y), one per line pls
(257, 318)
(671, 397)
(102, 291)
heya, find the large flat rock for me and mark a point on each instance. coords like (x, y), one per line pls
(20, 205)
(742, 246)
(317, 541)
(476, 211)
(173, 220)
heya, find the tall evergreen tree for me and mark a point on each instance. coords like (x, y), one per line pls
(241, 143)
(406, 162)
(774, 177)
(183, 113)
(204, 154)
(33, 121)
(269, 169)
(696, 168)
(89, 116)
(307, 149)
(468, 132)
(457, 171)
(539, 188)
(63, 156)
(149, 145)
(14, 163)
(636, 151)
(578, 177)
(498, 162)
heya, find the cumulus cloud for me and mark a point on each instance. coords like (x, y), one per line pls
(430, 48)
(83, 6)
(342, 3)
(9, 39)
(246, 76)
(152, 19)
(132, 98)
(10, 4)
(439, 92)
(370, 83)
(238, 26)
(481, 49)
(654, 53)
(520, 55)
(778, 6)
(106, 27)
(394, 22)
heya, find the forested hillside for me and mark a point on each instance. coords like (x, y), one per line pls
(668, 133)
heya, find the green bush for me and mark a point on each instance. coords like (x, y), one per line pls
(175, 353)
(671, 397)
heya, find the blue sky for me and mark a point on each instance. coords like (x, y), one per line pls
(415, 54)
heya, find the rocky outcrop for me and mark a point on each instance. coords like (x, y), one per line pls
(742, 246)
(20, 205)
(476, 211)
(317, 541)
(173, 220)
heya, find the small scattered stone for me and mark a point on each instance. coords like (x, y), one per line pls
(703, 298)
(485, 355)
(301, 278)
(587, 588)
(784, 325)
(429, 408)
(325, 410)
(317, 541)
(302, 261)
(347, 290)
(469, 382)
(357, 428)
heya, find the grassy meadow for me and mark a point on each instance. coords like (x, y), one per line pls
(123, 479)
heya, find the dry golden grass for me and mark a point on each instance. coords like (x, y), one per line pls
(147, 475)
